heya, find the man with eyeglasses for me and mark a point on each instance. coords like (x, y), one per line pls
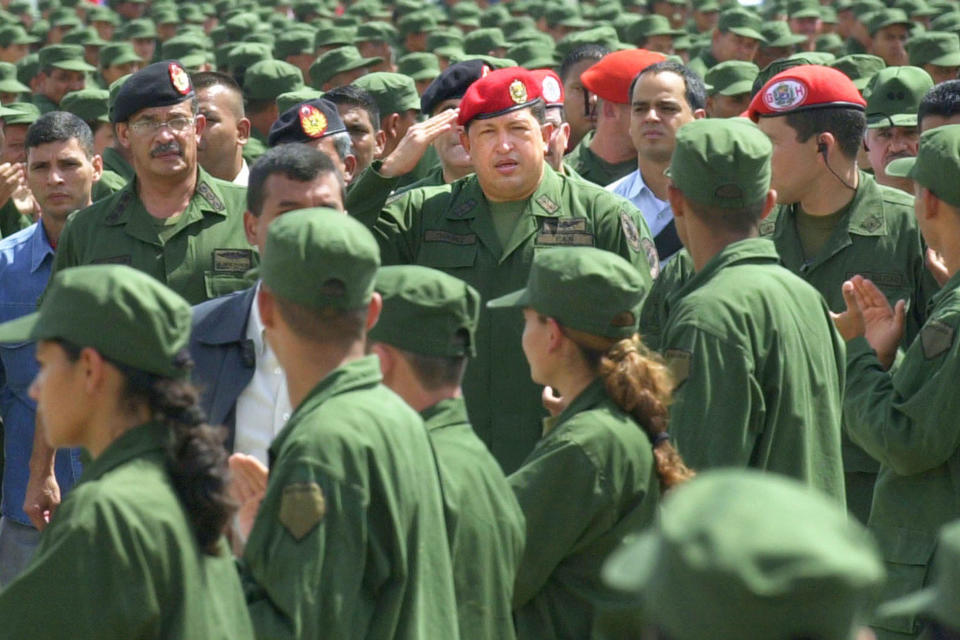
(173, 221)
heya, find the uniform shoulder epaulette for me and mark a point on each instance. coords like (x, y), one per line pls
(206, 192)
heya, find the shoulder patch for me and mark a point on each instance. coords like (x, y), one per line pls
(463, 208)
(547, 204)
(872, 223)
(302, 507)
(207, 193)
(678, 361)
(653, 258)
(767, 226)
(935, 338)
(630, 230)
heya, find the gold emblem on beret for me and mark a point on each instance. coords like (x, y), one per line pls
(518, 91)
(179, 79)
(312, 121)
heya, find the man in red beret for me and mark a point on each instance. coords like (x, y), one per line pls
(486, 229)
(609, 154)
(551, 90)
(834, 221)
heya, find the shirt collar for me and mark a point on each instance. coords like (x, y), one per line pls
(255, 328)
(244, 176)
(640, 187)
(40, 247)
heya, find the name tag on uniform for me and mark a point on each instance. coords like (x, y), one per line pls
(126, 260)
(881, 278)
(566, 232)
(232, 260)
(436, 235)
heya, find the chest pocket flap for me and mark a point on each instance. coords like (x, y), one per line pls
(444, 249)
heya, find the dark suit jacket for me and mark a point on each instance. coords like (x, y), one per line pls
(224, 360)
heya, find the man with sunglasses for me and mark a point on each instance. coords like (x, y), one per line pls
(173, 221)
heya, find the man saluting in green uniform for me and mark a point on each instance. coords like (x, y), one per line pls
(486, 229)
(173, 220)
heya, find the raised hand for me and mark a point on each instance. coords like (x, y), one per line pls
(415, 141)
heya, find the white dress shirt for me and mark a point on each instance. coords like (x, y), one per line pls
(655, 211)
(243, 177)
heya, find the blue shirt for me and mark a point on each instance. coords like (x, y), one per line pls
(655, 211)
(26, 260)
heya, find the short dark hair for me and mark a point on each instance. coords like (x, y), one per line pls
(941, 100)
(738, 220)
(355, 96)
(436, 372)
(577, 55)
(846, 125)
(206, 79)
(295, 160)
(695, 93)
(323, 326)
(60, 126)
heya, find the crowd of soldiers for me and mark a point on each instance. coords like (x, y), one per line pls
(527, 319)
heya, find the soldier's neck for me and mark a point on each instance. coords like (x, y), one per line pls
(830, 193)
(610, 144)
(312, 363)
(166, 198)
(652, 174)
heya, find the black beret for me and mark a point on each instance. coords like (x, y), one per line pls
(310, 120)
(452, 83)
(160, 84)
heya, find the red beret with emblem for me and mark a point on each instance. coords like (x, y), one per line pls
(611, 78)
(803, 88)
(551, 88)
(497, 93)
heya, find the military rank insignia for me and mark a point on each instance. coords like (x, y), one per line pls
(312, 121)
(518, 91)
(179, 79)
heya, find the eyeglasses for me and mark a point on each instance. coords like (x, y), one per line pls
(178, 124)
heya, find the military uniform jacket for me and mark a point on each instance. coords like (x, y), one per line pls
(368, 194)
(759, 368)
(202, 254)
(655, 310)
(592, 168)
(590, 481)
(484, 523)
(44, 104)
(878, 239)
(119, 560)
(449, 228)
(908, 421)
(113, 161)
(703, 62)
(350, 541)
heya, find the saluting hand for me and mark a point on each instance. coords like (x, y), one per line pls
(248, 484)
(11, 177)
(869, 314)
(415, 141)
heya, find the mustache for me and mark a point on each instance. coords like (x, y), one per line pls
(173, 145)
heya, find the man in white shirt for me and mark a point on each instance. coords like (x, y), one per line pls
(664, 97)
(221, 146)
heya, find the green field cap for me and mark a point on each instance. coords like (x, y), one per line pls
(23, 113)
(828, 14)
(863, 7)
(376, 32)
(417, 22)
(337, 61)
(426, 311)
(731, 78)
(294, 42)
(320, 261)
(949, 21)
(803, 9)
(139, 28)
(740, 554)
(830, 43)
(777, 34)
(895, 95)
(85, 36)
(333, 37)
(15, 34)
(393, 92)
(939, 48)
(419, 66)
(886, 18)
(90, 105)
(99, 13)
(741, 22)
(859, 67)
(293, 98)
(721, 162)
(582, 288)
(123, 313)
(937, 164)
(444, 38)
(940, 600)
(915, 8)
(246, 54)
(64, 56)
(532, 55)
(649, 26)
(183, 46)
(27, 67)
(8, 79)
(482, 41)
(267, 79)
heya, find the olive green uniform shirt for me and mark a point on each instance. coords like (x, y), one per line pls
(703, 62)
(11, 220)
(484, 523)
(349, 541)
(449, 228)
(591, 167)
(656, 306)
(45, 104)
(759, 368)
(113, 161)
(590, 481)
(256, 146)
(120, 560)
(908, 420)
(109, 183)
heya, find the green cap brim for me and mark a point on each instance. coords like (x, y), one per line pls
(951, 59)
(126, 58)
(806, 13)
(901, 167)
(424, 75)
(73, 65)
(896, 120)
(13, 86)
(518, 298)
(539, 63)
(19, 330)
(735, 89)
(786, 41)
(746, 32)
(628, 568)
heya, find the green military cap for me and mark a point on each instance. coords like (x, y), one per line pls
(246, 54)
(27, 67)
(683, 43)
(949, 21)
(450, 53)
(885, 18)
(534, 36)
(830, 43)
(376, 32)
(494, 15)
(859, 67)
(741, 554)
(706, 6)
(936, 165)
(8, 79)
(261, 36)
(491, 61)
(267, 79)
(418, 22)
(722, 163)
(39, 29)
(337, 61)
(482, 41)
(895, 95)
(191, 13)
(139, 28)
(649, 26)
(731, 78)
(346, 21)
(86, 36)
(605, 36)
(99, 13)
(566, 15)
(938, 48)
(517, 24)
(803, 9)
(582, 288)
(426, 311)
(64, 56)
(184, 44)
(823, 58)
(90, 105)
(863, 7)
(741, 22)
(466, 14)
(320, 261)
(333, 36)
(940, 599)
(393, 92)
(114, 89)
(419, 66)
(915, 8)
(21, 7)
(166, 16)
(532, 55)
(15, 34)
(777, 34)
(294, 42)
(241, 23)
(828, 15)
(603, 13)
(623, 23)
(292, 98)
(69, 20)
(444, 38)
(149, 324)
(21, 113)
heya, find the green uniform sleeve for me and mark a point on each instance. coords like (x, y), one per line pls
(368, 194)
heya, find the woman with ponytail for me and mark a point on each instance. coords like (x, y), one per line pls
(135, 551)
(597, 474)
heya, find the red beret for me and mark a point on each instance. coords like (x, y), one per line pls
(497, 93)
(551, 88)
(611, 78)
(809, 86)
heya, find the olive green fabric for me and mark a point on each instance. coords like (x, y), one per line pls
(878, 239)
(731, 78)
(64, 56)
(595, 169)
(895, 95)
(887, 18)
(449, 228)
(11, 220)
(741, 22)
(267, 79)
(656, 307)
(123, 531)
(8, 79)
(113, 161)
(352, 479)
(90, 105)
(859, 67)
(749, 343)
(203, 254)
(739, 554)
(934, 47)
(938, 154)
(419, 66)
(336, 61)
(485, 525)
(393, 92)
(589, 482)
(118, 53)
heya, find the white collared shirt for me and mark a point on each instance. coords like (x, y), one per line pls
(656, 212)
(243, 177)
(263, 407)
